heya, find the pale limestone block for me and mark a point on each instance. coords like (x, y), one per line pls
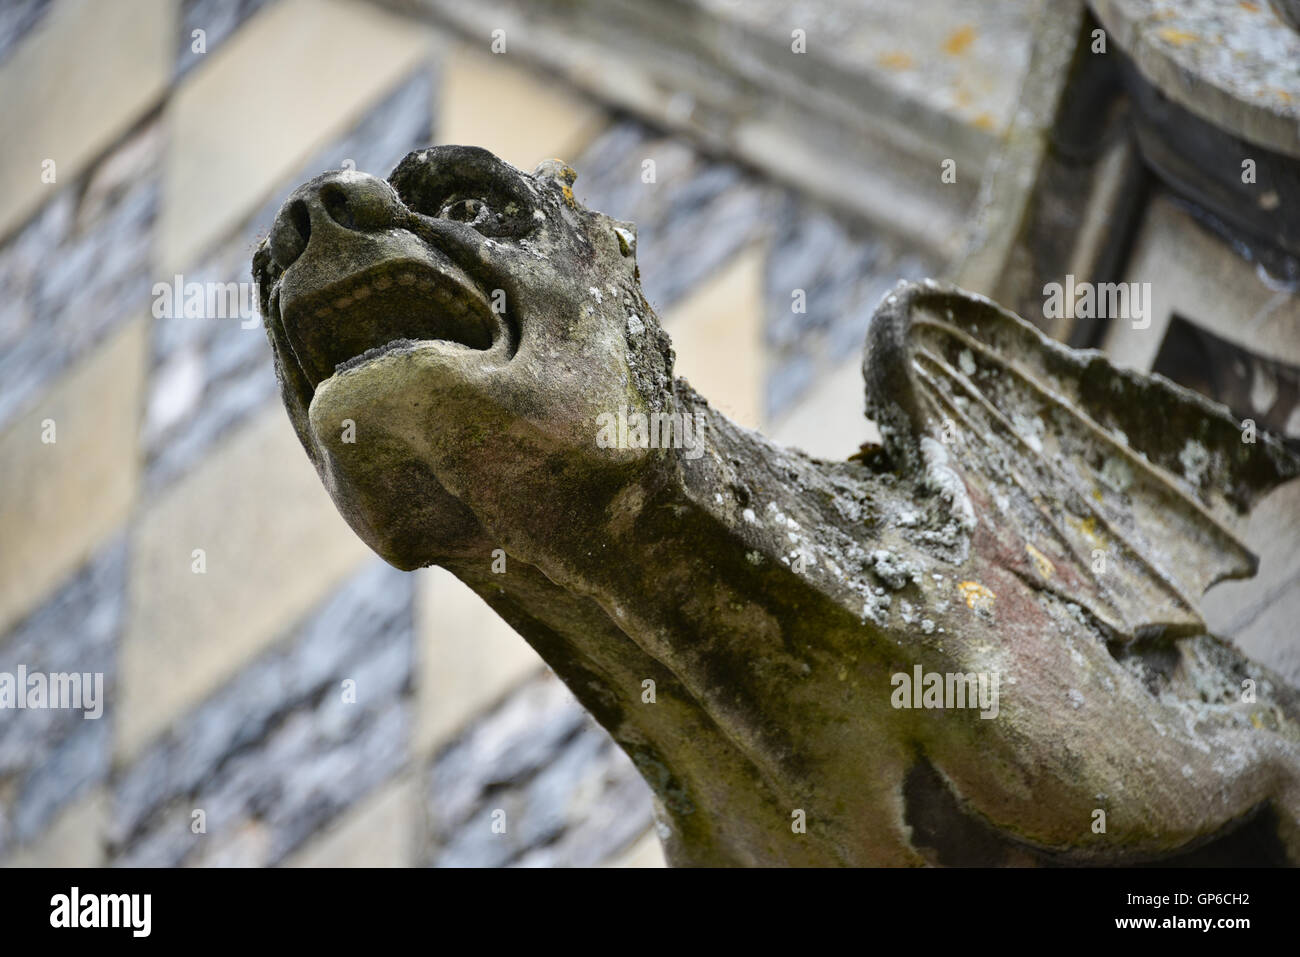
(284, 85)
(523, 116)
(60, 500)
(1271, 637)
(85, 75)
(646, 852)
(830, 420)
(380, 831)
(717, 333)
(75, 839)
(469, 657)
(1259, 614)
(272, 546)
(1189, 274)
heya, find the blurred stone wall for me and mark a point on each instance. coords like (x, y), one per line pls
(163, 527)
(273, 693)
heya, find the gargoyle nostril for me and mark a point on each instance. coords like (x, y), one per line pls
(336, 204)
(353, 201)
(301, 220)
(289, 233)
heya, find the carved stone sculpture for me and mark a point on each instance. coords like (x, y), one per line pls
(979, 643)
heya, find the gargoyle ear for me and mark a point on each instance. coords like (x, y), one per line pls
(560, 175)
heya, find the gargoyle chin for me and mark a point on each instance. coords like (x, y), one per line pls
(977, 644)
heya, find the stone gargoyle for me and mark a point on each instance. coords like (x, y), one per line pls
(978, 643)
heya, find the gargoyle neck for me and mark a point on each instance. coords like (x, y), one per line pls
(680, 611)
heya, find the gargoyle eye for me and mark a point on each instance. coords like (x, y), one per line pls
(469, 185)
(491, 215)
(472, 211)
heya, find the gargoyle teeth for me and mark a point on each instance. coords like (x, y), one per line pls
(373, 308)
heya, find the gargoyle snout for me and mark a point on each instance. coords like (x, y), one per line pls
(330, 203)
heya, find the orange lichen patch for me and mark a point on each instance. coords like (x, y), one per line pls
(985, 121)
(896, 60)
(1247, 5)
(567, 176)
(1041, 561)
(1178, 38)
(959, 40)
(979, 598)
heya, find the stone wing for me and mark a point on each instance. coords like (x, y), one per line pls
(1119, 491)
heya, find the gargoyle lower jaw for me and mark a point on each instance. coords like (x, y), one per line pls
(386, 306)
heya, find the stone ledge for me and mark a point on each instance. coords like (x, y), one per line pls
(883, 120)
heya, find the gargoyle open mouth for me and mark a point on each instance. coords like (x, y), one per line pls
(383, 307)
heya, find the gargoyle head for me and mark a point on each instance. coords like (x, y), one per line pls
(461, 321)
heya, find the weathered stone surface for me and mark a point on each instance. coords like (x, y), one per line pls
(750, 677)
(854, 103)
(570, 797)
(48, 757)
(933, 56)
(212, 373)
(277, 752)
(1231, 63)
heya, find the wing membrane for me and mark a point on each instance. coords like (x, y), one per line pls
(1119, 491)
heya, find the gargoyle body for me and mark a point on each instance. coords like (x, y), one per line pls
(978, 643)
